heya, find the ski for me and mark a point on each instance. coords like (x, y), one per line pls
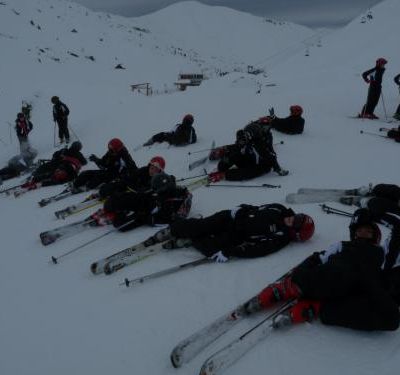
(358, 117)
(56, 234)
(117, 264)
(227, 356)
(328, 191)
(55, 198)
(190, 347)
(313, 198)
(89, 202)
(98, 267)
(196, 163)
(191, 186)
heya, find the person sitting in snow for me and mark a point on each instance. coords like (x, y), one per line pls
(63, 167)
(342, 286)
(245, 232)
(162, 204)
(116, 161)
(397, 81)
(251, 156)
(293, 124)
(374, 78)
(183, 134)
(138, 180)
(23, 127)
(19, 164)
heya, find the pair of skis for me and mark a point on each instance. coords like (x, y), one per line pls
(217, 363)
(311, 195)
(203, 160)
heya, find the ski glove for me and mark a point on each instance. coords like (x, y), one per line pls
(282, 172)
(219, 257)
(271, 112)
(216, 176)
(93, 158)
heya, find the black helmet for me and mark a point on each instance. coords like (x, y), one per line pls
(20, 115)
(362, 217)
(55, 99)
(162, 182)
(76, 146)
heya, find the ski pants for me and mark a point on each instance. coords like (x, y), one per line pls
(93, 178)
(162, 137)
(210, 234)
(374, 93)
(349, 297)
(63, 131)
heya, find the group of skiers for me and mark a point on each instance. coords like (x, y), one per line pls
(353, 283)
(374, 78)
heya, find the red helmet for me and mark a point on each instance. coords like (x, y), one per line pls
(115, 145)
(158, 162)
(381, 61)
(188, 119)
(296, 110)
(303, 227)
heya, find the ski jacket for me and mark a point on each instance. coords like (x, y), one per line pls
(288, 125)
(182, 135)
(117, 163)
(259, 230)
(60, 111)
(23, 127)
(137, 179)
(71, 157)
(374, 76)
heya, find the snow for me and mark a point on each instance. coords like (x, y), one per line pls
(61, 319)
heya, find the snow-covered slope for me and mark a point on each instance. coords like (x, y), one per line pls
(61, 319)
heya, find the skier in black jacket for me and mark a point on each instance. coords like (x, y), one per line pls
(138, 180)
(60, 116)
(341, 286)
(397, 81)
(244, 232)
(183, 134)
(114, 162)
(163, 204)
(252, 156)
(63, 167)
(374, 78)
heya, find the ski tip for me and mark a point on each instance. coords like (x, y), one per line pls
(175, 359)
(54, 260)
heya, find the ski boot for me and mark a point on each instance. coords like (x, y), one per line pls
(177, 243)
(303, 311)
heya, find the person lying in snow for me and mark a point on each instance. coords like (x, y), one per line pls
(183, 134)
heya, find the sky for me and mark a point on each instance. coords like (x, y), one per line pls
(312, 13)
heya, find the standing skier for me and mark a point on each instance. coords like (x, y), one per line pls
(183, 134)
(116, 161)
(23, 127)
(374, 78)
(397, 81)
(60, 116)
(341, 286)
(245, 232)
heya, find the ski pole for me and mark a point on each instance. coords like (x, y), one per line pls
(332, 210)
(54, 135)
(73, 133)
(55, 259)
(189, 178)
(245, 186)
(375, 134)
(384, 106)
(168, 271)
